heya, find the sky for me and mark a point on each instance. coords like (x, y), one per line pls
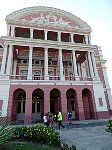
(96, 13)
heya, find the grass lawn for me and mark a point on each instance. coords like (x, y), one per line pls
(26, 146)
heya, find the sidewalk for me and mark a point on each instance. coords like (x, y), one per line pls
(87, 135)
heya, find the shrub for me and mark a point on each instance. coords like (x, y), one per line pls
(6, 132)
(38, 133)
(109, 125)
(66, 147)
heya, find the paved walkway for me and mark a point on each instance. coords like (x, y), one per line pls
(87, 135)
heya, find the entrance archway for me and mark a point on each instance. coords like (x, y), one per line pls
(18, 110)
(55, 101)
(88, 104)
(37, 105)
(71, 102)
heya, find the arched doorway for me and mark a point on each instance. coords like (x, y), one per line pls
(87, 104)
(37, 105)
(18, 109)
(55, 101)
(71, 102)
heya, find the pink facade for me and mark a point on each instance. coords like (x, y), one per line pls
(47, 63)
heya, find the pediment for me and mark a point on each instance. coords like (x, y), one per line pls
(47, 17)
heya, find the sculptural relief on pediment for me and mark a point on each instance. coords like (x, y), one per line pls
(49, 19)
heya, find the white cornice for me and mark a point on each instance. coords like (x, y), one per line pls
(24, 23)
(14, 17)
(47, 43)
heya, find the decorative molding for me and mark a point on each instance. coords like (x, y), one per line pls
(56, 14)
(55, 20)
(48, 43)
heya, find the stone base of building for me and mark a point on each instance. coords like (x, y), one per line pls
(103, 115)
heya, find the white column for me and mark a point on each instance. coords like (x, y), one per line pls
(8, 29)
(45, 33)
(75, 65)
(36, 106)
(9, 62)
(4, 60)
(21, 106)
(94, 65)
(12, 31)
(59, 36)
(31, 33)
(15, 66)
(108, 89)
(61, 65)
(86, 39)
(71, 35)
(89, 39)
(30, 63)
(90, 65)
(46, 75)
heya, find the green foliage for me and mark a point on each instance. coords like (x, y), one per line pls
(6, 132)
(109, 125)
(38, 133)
(26, 146)
(66, 147)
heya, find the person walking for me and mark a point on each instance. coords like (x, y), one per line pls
(55, 119)
(70, 117)
(60, 120)
(46, 120)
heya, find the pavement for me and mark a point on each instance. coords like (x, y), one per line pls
(87, 135)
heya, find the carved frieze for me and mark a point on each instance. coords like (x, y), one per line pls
(50, 19)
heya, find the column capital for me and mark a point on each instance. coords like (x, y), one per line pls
(30, 46)
(11, 45)
(88, 52)
(12, 27)
(45, 47)
(74, 50)
(72, 34)
(45, 31)
(59, 33)
(60, 49)
(92, 53)
(31, 29)
(5, 46)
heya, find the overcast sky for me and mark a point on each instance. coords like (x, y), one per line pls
(96, 13)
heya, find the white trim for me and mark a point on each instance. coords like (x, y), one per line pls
(99, 93)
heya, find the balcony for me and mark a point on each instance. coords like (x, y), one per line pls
(50, 44)
(42, 78)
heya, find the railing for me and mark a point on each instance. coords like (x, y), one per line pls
(18, 77)
(51, 78)
(36, 77)
(54, 78)
(86, 78)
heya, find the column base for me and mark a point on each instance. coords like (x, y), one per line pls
(77, 78)
(62, 78)
(29, 77)
(95, 78)
(46, 77)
